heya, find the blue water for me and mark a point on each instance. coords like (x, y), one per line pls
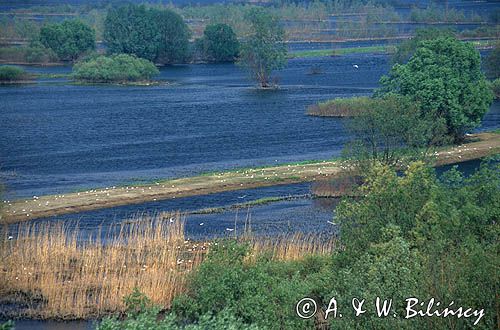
(58, 137)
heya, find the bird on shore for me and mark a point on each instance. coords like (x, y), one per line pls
(10, 238)
(355, 66)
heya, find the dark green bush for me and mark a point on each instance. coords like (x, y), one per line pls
(115, 68)
(12, 73)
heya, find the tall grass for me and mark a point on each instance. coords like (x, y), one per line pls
(51, 271)
(344, 185)
(341, 107)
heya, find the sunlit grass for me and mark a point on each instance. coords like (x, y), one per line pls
(51, 271)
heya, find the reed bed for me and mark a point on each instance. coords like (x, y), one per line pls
(341, 107)
(344, 185)
(50, 270)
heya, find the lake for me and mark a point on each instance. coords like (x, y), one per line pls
(56, 137)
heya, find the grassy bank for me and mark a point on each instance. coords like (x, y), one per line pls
(341, 107)
(477, 146)
(341, 51)
(48, 272)
(385, 49)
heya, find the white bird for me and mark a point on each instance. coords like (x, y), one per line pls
(229, 229)
(242, 196)
(201, 224)
(355, 66)
(10, 238)
(332, 223)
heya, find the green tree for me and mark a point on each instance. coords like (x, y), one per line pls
(441, 234)
(69, 39)
(130, 29)
(153, 34)
(219, 43)
(407, 48)
(264, 50)
(391, 130)
(444, 76)
(492, 63)
(173, 36)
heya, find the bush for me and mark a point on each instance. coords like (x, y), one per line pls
(12, 73)
(115, 68)
(261, 292)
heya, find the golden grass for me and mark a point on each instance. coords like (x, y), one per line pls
(49, 271)
(344, 185)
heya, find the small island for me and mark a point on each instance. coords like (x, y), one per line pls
(14, 75)
(120, 69)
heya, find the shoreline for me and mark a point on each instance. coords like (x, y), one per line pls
(478, 146)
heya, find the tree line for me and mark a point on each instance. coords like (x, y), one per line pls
(162, 37)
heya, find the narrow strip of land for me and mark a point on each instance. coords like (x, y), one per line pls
(477, 146)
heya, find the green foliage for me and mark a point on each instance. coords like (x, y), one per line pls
(495, 87)
(35, 53)
(12, 73)
(444, 241)
(391, 129)
(219, 43)
(407, 48)
(492, 62)
(261, 292)
(115, 68)
(9, 325)
(264, 50)
(68, 40)
(153, 34)
(444, 76)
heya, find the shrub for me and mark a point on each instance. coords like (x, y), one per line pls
(261, 292)
(12, 73)
(114, 68)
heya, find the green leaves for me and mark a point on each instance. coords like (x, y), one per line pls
(444, 76)
(264, 50)
(153, 34)
(219, 43)
(68, 40)
(114, 68)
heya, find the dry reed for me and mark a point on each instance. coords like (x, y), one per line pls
(50, 271)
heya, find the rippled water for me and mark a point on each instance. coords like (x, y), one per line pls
(57, 137)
